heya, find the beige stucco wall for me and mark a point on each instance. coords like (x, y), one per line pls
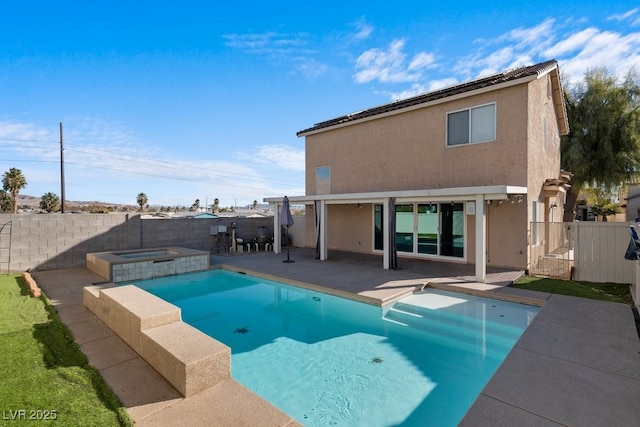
(544, 159)
(408, 151)
(350, 228)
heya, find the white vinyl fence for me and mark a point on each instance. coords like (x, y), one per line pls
(599, 253)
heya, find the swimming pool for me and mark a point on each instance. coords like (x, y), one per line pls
(326, 360)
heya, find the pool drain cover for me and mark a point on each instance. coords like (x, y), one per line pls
(376, 360)
(242, 330)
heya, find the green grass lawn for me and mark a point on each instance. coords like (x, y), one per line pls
(43, 372)
(602, 291)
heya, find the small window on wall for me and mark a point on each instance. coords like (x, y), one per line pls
(323, 180)
(472, 125)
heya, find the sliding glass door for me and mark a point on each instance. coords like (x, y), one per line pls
(404, 228)
(452, 229)
(425, 228)
(428, 223)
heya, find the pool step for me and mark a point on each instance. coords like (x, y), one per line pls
(464, 332)
(491, 323)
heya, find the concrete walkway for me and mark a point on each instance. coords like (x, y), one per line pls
(578, 363)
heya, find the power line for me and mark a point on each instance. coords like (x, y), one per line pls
(135, 158)
(181, 167)
(175, 178)
(27, 140)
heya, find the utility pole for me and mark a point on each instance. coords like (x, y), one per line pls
(61, 171)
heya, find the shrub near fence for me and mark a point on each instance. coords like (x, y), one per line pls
(51, 241)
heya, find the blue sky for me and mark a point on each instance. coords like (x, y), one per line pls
(202, 99)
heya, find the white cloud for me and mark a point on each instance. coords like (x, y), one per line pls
(277, 156)
(496, 61)
(606, 49)
(292, 49)
(572, 43)
(309, 67)
(267, 42)
(442, 83)
(362, 29)
(422, 60)
(624, 16)
(390, 65)
(415, 89)
(24, 132)
(538, 35)
(576, 48)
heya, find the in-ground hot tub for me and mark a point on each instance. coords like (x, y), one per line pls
(140, 264)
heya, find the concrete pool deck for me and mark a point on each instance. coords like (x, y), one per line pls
(578, 363)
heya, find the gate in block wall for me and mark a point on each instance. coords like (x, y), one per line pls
(586, 251)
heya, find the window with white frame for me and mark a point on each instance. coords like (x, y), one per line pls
(472, 125)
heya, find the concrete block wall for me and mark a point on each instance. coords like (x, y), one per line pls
(51, 241)
(195, 233)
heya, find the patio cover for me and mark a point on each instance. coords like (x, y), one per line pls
(479, 195)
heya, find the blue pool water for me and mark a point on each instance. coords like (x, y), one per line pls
(326, 360)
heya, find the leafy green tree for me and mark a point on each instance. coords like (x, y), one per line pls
(216, 205)
(602, 149)
(601, 202)
(5, 201)
(13, 181)
(50, 202)
(142, 201)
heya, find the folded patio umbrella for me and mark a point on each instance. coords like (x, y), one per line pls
(286, 219)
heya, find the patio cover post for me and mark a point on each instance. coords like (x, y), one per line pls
(276, 228)
(385, 236)
(481, 239)
(323, 230)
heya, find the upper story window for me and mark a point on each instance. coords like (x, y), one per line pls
(323, 180)
(472, 125)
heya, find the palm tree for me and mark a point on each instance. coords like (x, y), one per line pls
(142, 201)
(216, 205)
(13, 181)
(255, 204)
(50, 202)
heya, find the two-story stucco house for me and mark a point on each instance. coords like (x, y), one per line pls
(458, 174)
